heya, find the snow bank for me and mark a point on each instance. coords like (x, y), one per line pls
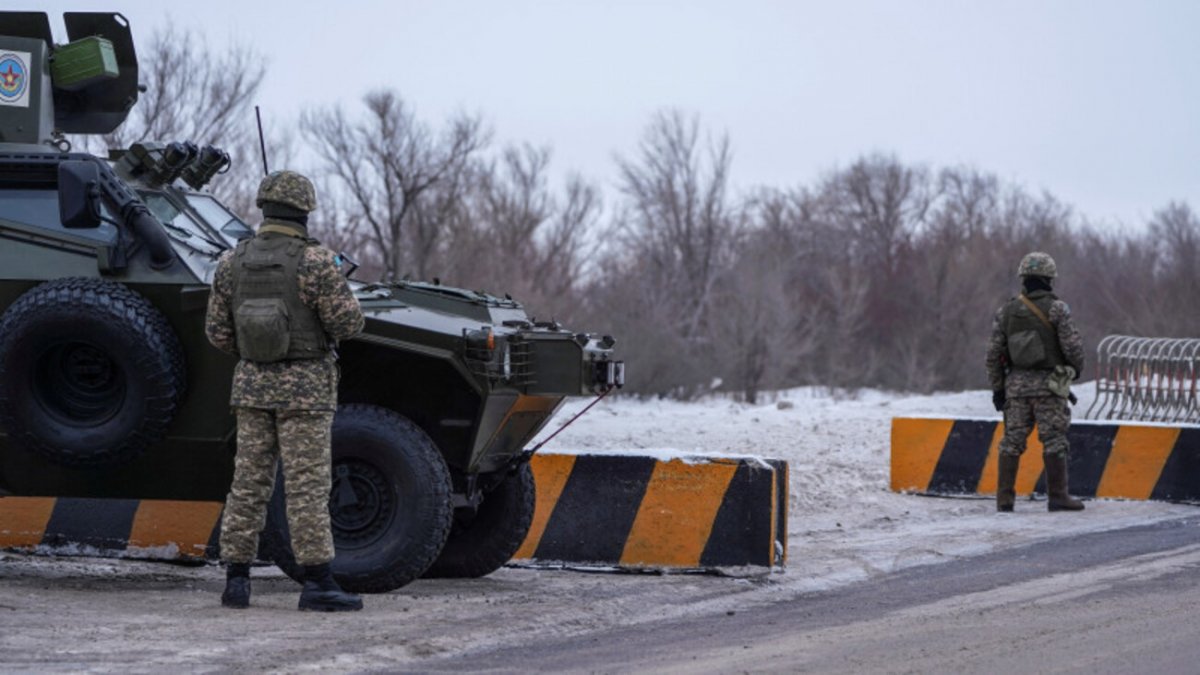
(844, 522)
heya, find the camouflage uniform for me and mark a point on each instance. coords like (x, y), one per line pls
(284, 409)
(1029, 400)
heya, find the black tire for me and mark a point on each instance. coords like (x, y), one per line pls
(91, 374)
(390, 503)
(481, 542)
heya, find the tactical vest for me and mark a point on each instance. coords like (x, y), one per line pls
(270, 320)
(1032, 345)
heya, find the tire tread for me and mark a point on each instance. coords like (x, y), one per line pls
(113, 303)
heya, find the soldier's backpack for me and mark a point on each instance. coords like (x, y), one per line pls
(270, 320)
(1032, 339)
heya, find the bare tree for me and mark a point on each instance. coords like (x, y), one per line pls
(388, 162)
(1175, 230)
(832, 285)
(337, 232)
(952, 305)
(526, 239)
(883, 203)
(882, 274)
(680, 220)
(752, 314)
(871, 213)
(199, 95)
(192, 92)
(673, 239)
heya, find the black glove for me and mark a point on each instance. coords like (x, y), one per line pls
(1072, 399)
(998, 399)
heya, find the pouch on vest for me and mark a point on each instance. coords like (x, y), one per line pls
(263, 329)
(1059, 382)
(1025, 349)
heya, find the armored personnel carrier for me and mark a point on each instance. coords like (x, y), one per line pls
(109, 391)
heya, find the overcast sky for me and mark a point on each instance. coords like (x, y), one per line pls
(1096, 102)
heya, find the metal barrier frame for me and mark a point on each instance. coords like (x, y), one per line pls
(1147, 379)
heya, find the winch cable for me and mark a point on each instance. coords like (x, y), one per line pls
(529, 453)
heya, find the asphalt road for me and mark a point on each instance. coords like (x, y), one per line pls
(1122, 601)
(1118, 601)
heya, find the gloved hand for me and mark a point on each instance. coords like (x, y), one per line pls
(998, 399)
(1059, 381)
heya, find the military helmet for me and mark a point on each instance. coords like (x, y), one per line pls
(1037, 264)
(288, 188)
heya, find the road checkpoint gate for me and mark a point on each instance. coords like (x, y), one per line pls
(1140, 438)
(1120, 460)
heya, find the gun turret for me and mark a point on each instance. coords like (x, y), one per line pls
(86, 86)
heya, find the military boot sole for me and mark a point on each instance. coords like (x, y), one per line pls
(331, 601)
(1076, 506)
(1004, 508)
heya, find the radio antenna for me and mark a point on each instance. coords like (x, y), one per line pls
(262, 144)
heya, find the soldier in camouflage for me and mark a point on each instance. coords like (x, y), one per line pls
(279, 303)
(1034, 353)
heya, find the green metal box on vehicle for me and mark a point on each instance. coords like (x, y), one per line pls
(82, 63)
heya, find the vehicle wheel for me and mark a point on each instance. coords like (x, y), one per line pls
(389, 506)
(90, 372)
(481, 542)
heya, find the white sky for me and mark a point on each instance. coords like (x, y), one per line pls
(1097, 102)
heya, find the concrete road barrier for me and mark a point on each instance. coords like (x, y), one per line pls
(1120, 460)
(642, 512)
(149, 528)
(615, 510)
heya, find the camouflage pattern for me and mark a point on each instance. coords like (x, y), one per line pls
(301, 439)
(307, 384)
(1018, 382)
(284, 411)
(1030, 400)
(287, 187)
(1052, 415)
(1037, 264)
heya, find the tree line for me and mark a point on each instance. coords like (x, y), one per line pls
(879, 274)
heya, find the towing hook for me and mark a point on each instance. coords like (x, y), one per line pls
(523, 457)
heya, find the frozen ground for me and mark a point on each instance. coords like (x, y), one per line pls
(844, 526)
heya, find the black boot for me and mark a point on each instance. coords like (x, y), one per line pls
(1056, 486)
(1006, 482)
(237, 586)
(322, 594)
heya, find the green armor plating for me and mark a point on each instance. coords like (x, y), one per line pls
(272, 323)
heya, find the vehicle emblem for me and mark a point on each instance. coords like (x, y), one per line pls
(14, 78)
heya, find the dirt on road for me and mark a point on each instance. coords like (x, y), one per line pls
(71, 614)
(1089, 602)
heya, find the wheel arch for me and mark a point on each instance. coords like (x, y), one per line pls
(427, 390)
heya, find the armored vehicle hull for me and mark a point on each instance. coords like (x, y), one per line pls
(109, 389)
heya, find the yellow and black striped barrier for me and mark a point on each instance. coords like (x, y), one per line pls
(1107, 459)
(644, 512)
(146, 528)
(618, 510)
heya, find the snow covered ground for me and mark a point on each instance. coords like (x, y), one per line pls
(844, 523)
